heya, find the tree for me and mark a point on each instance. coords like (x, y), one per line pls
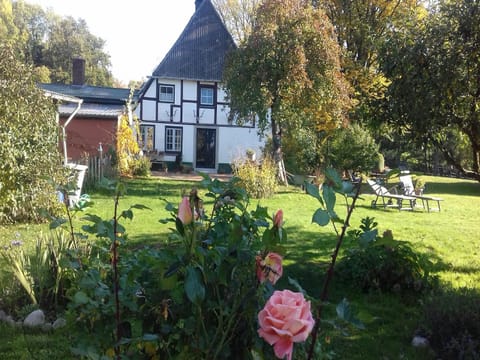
(48, 41)
(70, 38)
(33, 26)
(288, 72)
(29, 155)
(238, 16)
(435, 75)
(352, 149)
(8, 30)
(362, 28)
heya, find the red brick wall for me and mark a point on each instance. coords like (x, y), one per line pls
(85, 134)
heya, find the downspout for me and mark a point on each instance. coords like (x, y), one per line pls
(64, 133)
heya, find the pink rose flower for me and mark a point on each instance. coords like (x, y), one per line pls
(269, 268)
(285, 319)
(185, 211)
(278, 219)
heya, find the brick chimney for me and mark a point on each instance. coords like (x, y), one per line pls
(78, 71)
(197, 4)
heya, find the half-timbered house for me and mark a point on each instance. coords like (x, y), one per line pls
(183, 108)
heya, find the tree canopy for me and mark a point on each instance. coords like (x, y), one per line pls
(362, 28)
(238, 16)
(435, 74)
(288, 71)
(50, 42)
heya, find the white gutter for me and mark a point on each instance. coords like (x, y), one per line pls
(64, 134)
(73, 99)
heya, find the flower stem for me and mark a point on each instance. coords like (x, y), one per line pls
(326, 284)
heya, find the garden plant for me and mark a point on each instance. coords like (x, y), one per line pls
(157, 315)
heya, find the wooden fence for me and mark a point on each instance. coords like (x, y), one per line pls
(98, 168)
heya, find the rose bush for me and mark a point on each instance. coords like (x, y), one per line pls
(285, 319)
(206, 292)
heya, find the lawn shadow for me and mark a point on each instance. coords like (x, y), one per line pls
(460, 187)
(157, 187)
(308, 261)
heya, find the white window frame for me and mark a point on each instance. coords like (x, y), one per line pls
(147, 133)
(207, 99)
(173, 139)
(166, 96)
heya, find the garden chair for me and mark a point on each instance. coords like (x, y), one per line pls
(409, 190)
(389, 199)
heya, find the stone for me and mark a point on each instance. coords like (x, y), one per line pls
(3, 316)
(59, 323)
(34, 319)
(420, 342)
(47, 327)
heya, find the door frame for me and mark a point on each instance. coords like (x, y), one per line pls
(214, 168)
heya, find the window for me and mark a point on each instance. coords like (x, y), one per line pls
(207, 96)
(147, 133)
(166, 93)
(173, 139)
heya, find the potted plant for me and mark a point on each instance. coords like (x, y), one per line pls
(250, 154)
(419, 186)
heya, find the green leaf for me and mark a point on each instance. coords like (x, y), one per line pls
(92, 218)
(296, 285)
(321, 217)
(347, 187)
(140, 207)
(329, 197)
(80, 298)
(194, 286)
(334, 178)
(268, 238)
(57, 222)
(172, 269)
(127, 214)
(312, 190)
(170, 207)
(179, 226)
(367, 237)
(345, 312)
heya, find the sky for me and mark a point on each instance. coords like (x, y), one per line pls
(137, 33)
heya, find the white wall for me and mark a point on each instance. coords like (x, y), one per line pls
(232, 141)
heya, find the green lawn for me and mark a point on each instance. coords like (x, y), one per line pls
(450, 238)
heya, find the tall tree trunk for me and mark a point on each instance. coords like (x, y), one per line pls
(277, 151)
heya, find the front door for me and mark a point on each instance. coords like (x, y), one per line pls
(206, 148)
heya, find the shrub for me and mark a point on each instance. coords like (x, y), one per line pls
(452, 321)
(29, 143)
(42, 273)
(141, 166)
(195, 298)
(382, 263)
(352, 148)
(259, 181)
(301, 151)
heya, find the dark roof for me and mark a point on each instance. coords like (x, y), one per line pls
(89, 110)
(199, 52)
(91, 94)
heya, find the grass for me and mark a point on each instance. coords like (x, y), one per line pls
(449, 238)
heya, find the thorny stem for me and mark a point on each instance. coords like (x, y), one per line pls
(115, 278)
(324, 294)
(70, 220)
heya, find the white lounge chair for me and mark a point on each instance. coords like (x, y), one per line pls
(409, 190)
(389, 199)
